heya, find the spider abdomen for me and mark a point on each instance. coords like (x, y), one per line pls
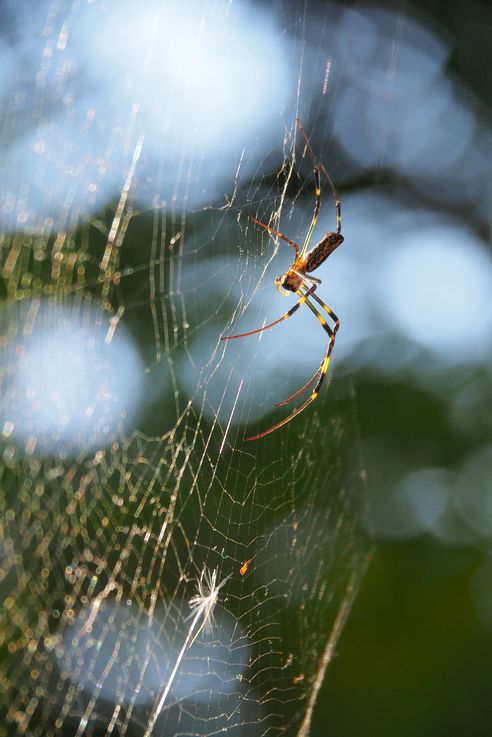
(320, 252)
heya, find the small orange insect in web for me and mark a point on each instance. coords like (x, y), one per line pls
(244, 568)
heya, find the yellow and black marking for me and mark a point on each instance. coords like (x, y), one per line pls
(323, 369)
(328, 310)
(331, 334)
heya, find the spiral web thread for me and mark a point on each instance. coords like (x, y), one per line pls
(105, 550)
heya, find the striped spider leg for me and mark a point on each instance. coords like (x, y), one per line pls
(298, 280)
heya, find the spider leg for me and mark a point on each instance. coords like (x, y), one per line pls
(321, 371)
(317, 188)
(308, 280)
(316, 374)
(338, 204)
(329, 311)
(306, 385)
(276, 232)
(303, 298)
(285, 421)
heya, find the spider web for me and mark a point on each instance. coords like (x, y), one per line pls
(126, 254)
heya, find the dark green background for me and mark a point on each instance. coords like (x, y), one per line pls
(414, 658)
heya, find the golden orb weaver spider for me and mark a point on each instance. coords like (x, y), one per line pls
(296, 280)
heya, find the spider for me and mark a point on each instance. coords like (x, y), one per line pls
(297, 280)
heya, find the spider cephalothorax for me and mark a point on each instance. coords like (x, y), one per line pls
(288, 283)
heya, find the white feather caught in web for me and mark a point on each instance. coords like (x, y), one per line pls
(205, 600)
